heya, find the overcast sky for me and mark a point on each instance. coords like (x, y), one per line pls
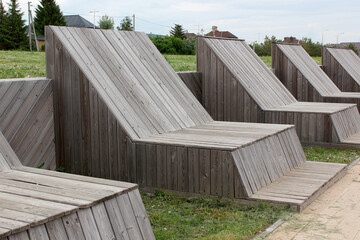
(247, 19)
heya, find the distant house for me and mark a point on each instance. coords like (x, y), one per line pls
(78, 21)
(71, 21)
(190, 35)
(221, 34)
(292, 40)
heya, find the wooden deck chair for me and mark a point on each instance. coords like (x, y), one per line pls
(44, 204)
(238, 86)
(304, 78)
(121, 112)
(343, 68)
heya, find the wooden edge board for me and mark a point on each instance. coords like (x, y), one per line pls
(113, 183)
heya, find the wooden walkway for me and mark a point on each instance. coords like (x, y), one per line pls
(26, 120)
(238, 86)
(43, 204)
(304, 78)
(343, 68)
(130, 117)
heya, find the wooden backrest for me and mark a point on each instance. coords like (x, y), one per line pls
(26, 119)
(348, 59)
(131, 75)
(308, 68)
(8, 158)
(245, 66)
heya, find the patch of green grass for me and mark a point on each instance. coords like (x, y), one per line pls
(21, 64)
(266, 60)
(331, 155)
(177, 217)
(181, 63)
(317, 60)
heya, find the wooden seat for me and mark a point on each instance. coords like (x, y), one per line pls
(305, 79)
(42, 204)
(238, 86)
(121, 112)
(343, 68)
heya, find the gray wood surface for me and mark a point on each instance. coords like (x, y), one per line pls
(243, 89)
(26, 120)
(343, 68)
(307, 81)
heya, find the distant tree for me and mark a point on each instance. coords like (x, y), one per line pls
(312, 48)
(48, 13)
(126, 25)
(106, 22)
(3, 19)
(178, 31)
(264, 49)
(352, 47)
(14, 27)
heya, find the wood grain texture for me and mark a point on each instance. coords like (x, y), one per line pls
(26, 120)
(144, 125)
(247, 91)
(308, 82)
(343, 68)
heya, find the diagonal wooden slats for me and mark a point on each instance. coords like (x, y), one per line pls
(26, 120)
(343, 68)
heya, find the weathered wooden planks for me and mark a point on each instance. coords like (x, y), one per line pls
(43, 204)
(26, 120)
(138, 122)
(343, 68)
(193, 81)
(244, 89)
(306, 80)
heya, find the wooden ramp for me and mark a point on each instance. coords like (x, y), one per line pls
(130, 117)
(26, 119)
(43, 204)
(238, 86)
(304, 78)
(343, 68)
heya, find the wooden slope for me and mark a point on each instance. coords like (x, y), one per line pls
(26, 119)
(250, 71)
(148, 102)
(343, 68)
(43, 204)
(305, 79)
(309, 69)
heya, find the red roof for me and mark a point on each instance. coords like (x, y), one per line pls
(222, 34)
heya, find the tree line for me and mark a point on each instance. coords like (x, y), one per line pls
(13, 33)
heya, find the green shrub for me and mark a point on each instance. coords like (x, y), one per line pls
(174, 45)
(42, 48)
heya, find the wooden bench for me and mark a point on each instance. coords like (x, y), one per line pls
(343, 68)
(43, 204)
(238, 86)
(304, 78)
(121, 112)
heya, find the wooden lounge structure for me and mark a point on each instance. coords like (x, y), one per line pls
(121, 112)
(26, 120)
(343, 68)
(43, 204)
(304, 78)
(238, 86)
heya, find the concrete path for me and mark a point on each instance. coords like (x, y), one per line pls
(334, 215)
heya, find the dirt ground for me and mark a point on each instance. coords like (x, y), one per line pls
(334, 215)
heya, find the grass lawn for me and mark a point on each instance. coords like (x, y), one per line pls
(177, 217)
